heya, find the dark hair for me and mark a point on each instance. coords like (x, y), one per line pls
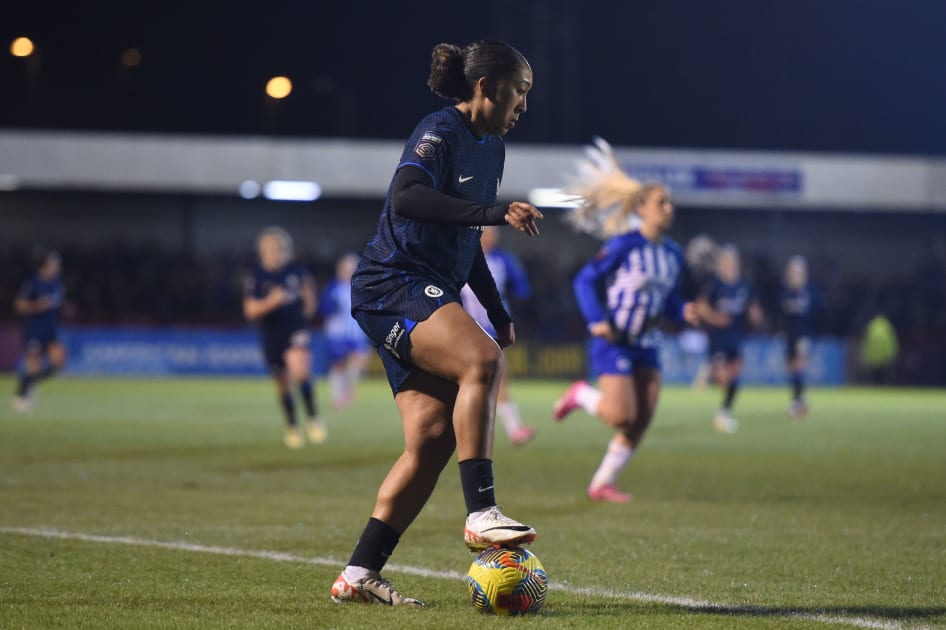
(42, 255)
(455, 71)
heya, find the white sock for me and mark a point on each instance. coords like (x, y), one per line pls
(352, 374)
(589, 398)
(336, 383)
(614, 460)
(353, 573)
(508, 413)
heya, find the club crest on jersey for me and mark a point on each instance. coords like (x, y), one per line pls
(432, 291)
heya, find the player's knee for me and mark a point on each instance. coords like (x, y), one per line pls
(616, 416)
(484, 365)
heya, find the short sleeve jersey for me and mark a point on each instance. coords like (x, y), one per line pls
(335, 309)
(632, 283)
(289, 316)
(36, 288)
(733, 299)
(460, 165)
(797, 305)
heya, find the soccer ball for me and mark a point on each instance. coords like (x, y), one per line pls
(507, 581)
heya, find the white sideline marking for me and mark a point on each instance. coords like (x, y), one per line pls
(277, 556)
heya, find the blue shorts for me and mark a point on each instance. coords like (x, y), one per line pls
(341, 348)
(390, 321)
(276, 342)
(37, 339)
(621, 360)
(725, 348)
(797, 347)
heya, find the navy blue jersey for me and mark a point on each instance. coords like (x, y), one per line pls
(631, 284)
(47, 320)
(733, 300)
(460, 165)
(289, 316)
(797, 306)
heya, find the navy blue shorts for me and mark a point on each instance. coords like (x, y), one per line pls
(276, 342)
(797, 347)
(389, 324)
(725, 348)
(621, 360)
(38, 339)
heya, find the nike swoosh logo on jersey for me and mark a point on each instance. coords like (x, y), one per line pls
(481, 489)
(464, 180)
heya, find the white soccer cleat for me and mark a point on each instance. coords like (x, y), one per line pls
(724, 422)
(372, 589)
(316, 430)
(22, 404)
(491, 527)
(798, 410)
(293, 438)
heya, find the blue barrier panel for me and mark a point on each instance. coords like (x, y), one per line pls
(166, 352)
(763, 361)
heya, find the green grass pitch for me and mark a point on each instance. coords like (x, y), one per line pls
(151, 504)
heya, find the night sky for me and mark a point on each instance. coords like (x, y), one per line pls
(815, 75)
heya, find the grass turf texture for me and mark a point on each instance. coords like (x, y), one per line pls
(843, 516)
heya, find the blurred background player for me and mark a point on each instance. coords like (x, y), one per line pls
(39, 302)
(725, 304)
(347, 343)
(797, 303)
(700, 255)
(511, 279)
(280, 297)
(622, 292)
(443, 368)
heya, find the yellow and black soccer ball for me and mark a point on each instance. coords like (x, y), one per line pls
(507, 581)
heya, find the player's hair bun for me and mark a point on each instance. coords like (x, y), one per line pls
(447, 78)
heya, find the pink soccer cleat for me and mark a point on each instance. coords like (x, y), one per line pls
(522, 436)
(568, 402)
(608, 493)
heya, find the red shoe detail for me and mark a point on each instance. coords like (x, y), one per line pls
(608, 493)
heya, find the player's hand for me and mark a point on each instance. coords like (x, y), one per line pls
(43, 303)
(603, 330)
(522, 216)
(690, 314)
(506, 335)
(276, 296)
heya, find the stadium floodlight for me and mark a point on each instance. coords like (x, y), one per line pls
(22, 47)
(250, 189)
(278, 87)
(552, 198)
(9, 182)
(289, 190)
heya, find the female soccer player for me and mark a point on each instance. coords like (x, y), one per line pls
(797, 305)
(347, 344)
(509, 276)
(39, 302)
(280, 296)
(443, 368)
(724, 304)
(622, 292)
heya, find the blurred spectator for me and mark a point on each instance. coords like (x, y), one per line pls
(879, 349)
